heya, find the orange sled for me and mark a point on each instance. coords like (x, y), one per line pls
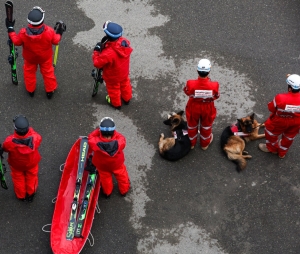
(60, 228)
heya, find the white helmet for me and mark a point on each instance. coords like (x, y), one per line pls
(294, 81)
(204, 65)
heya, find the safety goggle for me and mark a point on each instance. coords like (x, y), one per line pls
(38, 8)
(106, 128)
(106, 24)
(106, 118)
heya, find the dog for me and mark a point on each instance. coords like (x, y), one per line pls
(234, 138)
(179, 145)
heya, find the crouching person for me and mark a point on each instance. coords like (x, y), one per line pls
(107, 145)
(23, 158)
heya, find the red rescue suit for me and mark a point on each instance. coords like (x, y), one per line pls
(284, 120)
(200, 107)
(37, 44)
(23, 159)
(109, 159)
(114, 59)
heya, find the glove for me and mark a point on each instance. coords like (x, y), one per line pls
(98, 47)
(90, 166)
(10, 25)
(60, 27)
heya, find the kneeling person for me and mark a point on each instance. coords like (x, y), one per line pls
(107, 145)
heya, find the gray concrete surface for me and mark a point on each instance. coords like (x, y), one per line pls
(199, 204)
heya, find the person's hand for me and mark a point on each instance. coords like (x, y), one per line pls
(60, 27)
(98, 47)
(90, 166)
(10, 25)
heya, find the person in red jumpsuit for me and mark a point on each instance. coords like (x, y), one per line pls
(108, 157)
(200, 107)
(283, 125)
(23, 158)
(37, 40)
(112, 55)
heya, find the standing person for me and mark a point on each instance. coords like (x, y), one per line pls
(112, 55)
(37, 40)
(284, 122)
(23, 158)
(200, 107)
(108, 157)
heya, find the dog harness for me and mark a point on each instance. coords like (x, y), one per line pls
(237, 130)
(184, 132)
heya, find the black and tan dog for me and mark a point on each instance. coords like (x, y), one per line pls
(233, 139)
(179, 145)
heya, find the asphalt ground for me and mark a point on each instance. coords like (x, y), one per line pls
(199, 204)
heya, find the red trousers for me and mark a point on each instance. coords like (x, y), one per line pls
(287, 128)
(25, 182)
(116, 91)
(47, 71)
(205, 113)
(121, 176)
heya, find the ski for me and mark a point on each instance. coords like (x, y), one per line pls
(97, 75)
(91, 181)
(13, 53)
(2, 172)
(74, 206)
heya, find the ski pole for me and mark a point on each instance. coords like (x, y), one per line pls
(58, 26)
(55, 55)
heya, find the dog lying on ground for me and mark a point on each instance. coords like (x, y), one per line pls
(234, 137)
(179, 145)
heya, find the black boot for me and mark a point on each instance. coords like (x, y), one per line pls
(31, 94)
(49, 95)
(30, 198)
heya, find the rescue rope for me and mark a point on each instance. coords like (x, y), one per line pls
(258, 125)
(98, 208)
(43, 228)
(60, 169)
(91, 242)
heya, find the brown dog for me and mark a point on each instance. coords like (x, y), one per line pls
(233, 139)
(179, 145)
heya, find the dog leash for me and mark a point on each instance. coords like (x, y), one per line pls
(258, 126)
